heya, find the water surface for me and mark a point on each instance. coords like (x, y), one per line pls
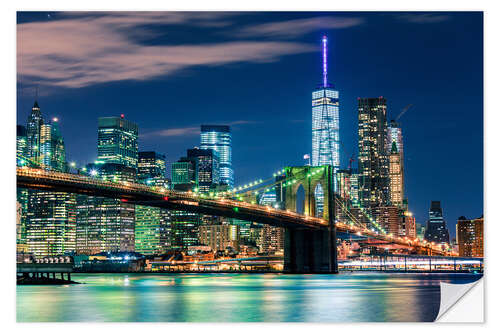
(346, 297)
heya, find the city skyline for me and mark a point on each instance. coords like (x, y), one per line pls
(274, 155)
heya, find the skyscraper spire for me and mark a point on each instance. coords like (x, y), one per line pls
(325, 61)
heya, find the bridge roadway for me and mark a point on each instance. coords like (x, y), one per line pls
(141, 194)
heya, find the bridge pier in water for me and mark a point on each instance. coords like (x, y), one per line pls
(309, 250)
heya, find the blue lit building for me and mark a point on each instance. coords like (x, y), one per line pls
(35, 122)
(218, 138)
(325, 121)
(436, 230)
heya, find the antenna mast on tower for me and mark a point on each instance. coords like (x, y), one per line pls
(325, 61)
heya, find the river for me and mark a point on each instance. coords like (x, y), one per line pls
(346, 297)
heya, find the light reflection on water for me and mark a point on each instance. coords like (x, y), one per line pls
(347, 297)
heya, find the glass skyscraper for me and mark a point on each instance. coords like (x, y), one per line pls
(50, 222)
(117, 141)
(106, 224)
(152, 224)
(206, 168)
(218, 138)
(152, 168)
(394, 134)
(35, 122)
(183, 174)
(436, 230)
(394, 142)
(373, 161)
(396, 177)
(325, 121)
(52, 151)
(21, 145)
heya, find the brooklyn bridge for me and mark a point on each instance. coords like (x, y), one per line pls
(310, 235)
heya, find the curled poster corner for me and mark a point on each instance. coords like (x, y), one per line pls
(461, 302)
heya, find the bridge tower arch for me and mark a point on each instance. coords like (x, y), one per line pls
(308, 250)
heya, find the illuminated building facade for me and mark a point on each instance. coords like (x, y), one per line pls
(105, 224)
(184, 230)
(52, 151)
(21, 193)
(325, 121)
(49, 217)
(206, 168)
(389, 219)
(348, 186)
(218, 138)
(270, 238)
(220, 236)
(470, 237)
(117, 141)
(152, 168)
(51, 223)
(408, 225)
(22, 209)
(21, 144)
(396, 177)
(183, 174)
(152, 230)
(420, 231)
(395, 134)
(35, 122)
(373, 161)
(436, 230)
(185, 225)
(152, 224)
(151, 165)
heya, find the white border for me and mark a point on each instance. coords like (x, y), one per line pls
(492, 58)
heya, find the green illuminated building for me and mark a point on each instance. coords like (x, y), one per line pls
(152, 230)
(117, 141)
(183, 174)
(105, 224)
(152, 224)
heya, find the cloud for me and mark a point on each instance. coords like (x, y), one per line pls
(299, 27)
(81, 50)
(171, 132)
(424, 18)
(241, 122)
(190, 130)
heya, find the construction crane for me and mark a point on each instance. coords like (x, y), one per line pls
(406, 108)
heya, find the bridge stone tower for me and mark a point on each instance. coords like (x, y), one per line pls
(308, 250)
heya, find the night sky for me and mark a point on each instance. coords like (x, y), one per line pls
(171, 71)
